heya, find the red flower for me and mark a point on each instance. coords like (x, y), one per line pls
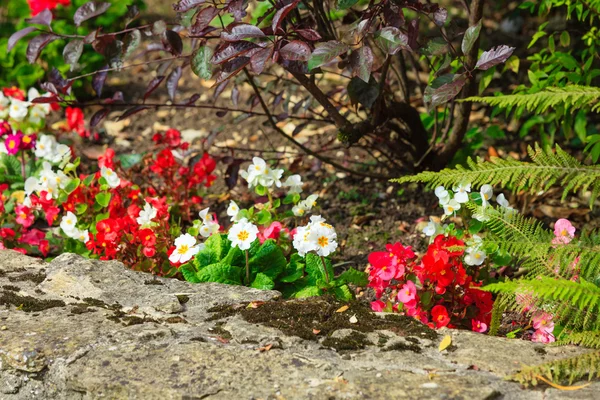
(149, 251)
(173, 137)
(14, 91)
(44, 247)
(440, 316)
(24, 216)
(33, 237)
(147, 237)
(37, 6)
(75, 121)
(107, 160)
(164, 160)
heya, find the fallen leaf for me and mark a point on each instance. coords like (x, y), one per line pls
(222, 340)
(445, 343)
(353, 319)
(255, 304)
(265, 348)
(559, 387)
(492, 152)
(316, 331)
(342, 309)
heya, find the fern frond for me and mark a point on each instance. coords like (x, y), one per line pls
(585, 338)
(571, 97)
(564, 370)
(546, 169)
(574, 305)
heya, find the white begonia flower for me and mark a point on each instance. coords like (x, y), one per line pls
(475, 257)
(4, 106)
(324, 238)
(31, 185)
(233, 211)
(18, 109)
(486, 192)
(3, 148)
(205, 216)
(112, 179)
(146, 215)
(36, 114)
(474, 243)
(432, 228)
(255, 170)
(501, 200)
(462, 192)
(44, 146)
(209, 228)
(451, 207)
(82, 235)
(60, 154)
(185, 249)
(242, 234)
(68, 224)
(294, 182)
(442, 194)
(32, 93)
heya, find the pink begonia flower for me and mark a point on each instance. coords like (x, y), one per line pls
(542, 337)
(542, 321)
(387, 272)
(564, 231)
(24, 216)
(273, 231)
(407, 292)
(377, 306)
(33, 237)
(478, 326)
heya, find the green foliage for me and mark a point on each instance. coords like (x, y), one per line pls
(546, 169)
(269, 269)
(570, 98)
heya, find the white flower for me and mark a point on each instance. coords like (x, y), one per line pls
(31, 185)
(501, 200)
(486, 194)
(432, 228)
(305, 205)
(185, 249)
(301, 241)
(205, 216)
(475, 257)
(294, 182)
(233, 211)
(273, 177)
(146, 215)
(81, 235)
(209, 228)
(18, 110)
(60, 154)
(474, 243)
(4, 105)
(67, 224)
(255, 170)
(36, 114)
(3, 146)
(324, 238)
(44, 146)
(32, 93)
(111, 177)
(451, 207)
(462, 192)
(242, 234)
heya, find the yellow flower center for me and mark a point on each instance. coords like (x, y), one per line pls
(486, 196)
(323, 241)
(69, 221)
(564, 232)
(477, 256)
(301, 211)
(12, 144)
(183, 249)
(243, 235)
(450, 208)
(23, 215)
(26, 139)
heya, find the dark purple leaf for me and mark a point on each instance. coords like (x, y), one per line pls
(295, 51)
(361, 62)
(185, 5)
(231, 68)
(131, 111)
(219, 89)
(235, 95)
(203, 19)
(439, 16)
(114, 54)
(299, 67)
(326, 52)
(173, 42)
(118, 96)
(192, 99)
(89, 10)
(232, 172)
(281, 14)
(98, 116)
(394, 15)
(164, 67)
(221, 113)
(43, 18)
(363, 92)
(172, 82)
(72, 52)
(471, 36)
(259, 59)
(391, 40)
(37, 44)
(99, 79)
(413, 34)
(18, 35)
(49, 87)
(299, 128)
(91, 37)
(132, 13)
(46, 99)
(309, 34)
(494, 57)
(278, 99)
(244, 31)
(443, 89)
(232, 50)
(103, 42)
(154, 83)
(238, 9)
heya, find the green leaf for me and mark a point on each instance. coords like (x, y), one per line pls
(261, 190)
(263, 217)
(189, 273)
(475, 226)
(345, 4)
(292, 198)
(343, 293)
(81, 208)
(262, 282)
(88, 180)
(354, 277)
(326, 52)
(391, 39)
(314, 269)
(74, 184)
(309, 291)
(221, 273)
(12, 165)
(565, 39)
(294, 270)
(103, 199)
(129, 160)
(216, 248)
(268, 259)
(470, 37)
(363, 92)
(201, 64)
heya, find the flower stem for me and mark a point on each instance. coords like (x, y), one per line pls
(247, 270)
(325, 269)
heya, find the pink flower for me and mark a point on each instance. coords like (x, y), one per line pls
(542, 321)
(272, 231)
(478, 326)
(33, 237)
(377, 306)
(387, 272)
(564, 231)
(542, 337)
(407, 293)
(24, 216)
(13, 143)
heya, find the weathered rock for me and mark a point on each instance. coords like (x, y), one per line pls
(82, 329)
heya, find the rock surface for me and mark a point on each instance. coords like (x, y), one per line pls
(82, 329)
